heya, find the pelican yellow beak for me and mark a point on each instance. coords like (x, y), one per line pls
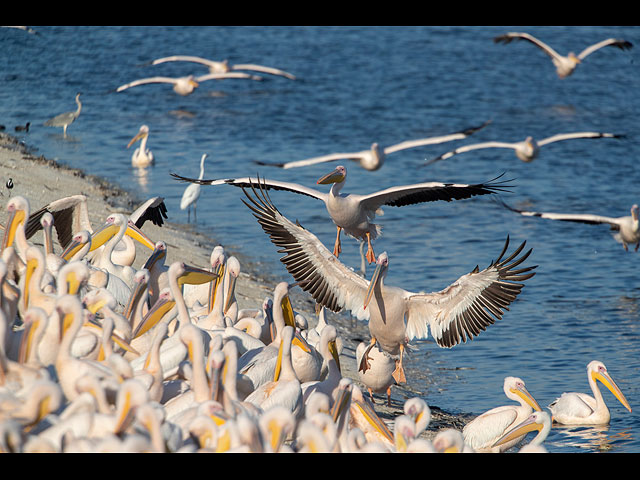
(26, 342)
(527, 397)
(528, 425)
(196, 276)
(608, 382)
(134, 299)
(333, 349)
(335, 176)
(16, 218)
(138, 136)
(156, 255)
(31, 267)
(374, 420)
(229, 294)
(276, 373)
(138, 235)
(117, 339)
(125, 416)
(342, 402)
(287, 311)
(375, 279)
(74, 247)
(153, 316)
(213, 287)
(194, 83)
(102, 235)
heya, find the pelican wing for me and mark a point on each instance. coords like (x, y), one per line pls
(265, 184)
(331, 283)
(153, 209)
(570, 136)
(144, 81)
(487, 428)
(185, 58)
(428, 192)
(470, 304)
(70, 215)
(263, 69)
(569, 217)
(473, 146)
(434, 140)
(613, 42)
(510, 36)
(315, 160)
(223, 76)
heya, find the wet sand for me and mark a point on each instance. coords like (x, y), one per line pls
(41, 181)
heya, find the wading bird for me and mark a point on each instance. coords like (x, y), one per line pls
(192, 193)
(65, 119)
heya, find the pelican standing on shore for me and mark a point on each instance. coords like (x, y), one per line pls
(142, 156)
(565, 65)
(192, 193)
(396, 316)
(65, 119)
(582, 409)
(354, 213)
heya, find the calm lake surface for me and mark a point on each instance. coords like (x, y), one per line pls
(358, 85)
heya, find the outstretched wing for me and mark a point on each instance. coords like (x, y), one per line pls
(435, 140)
(470, 304)
(153, 210)
(510, 36)
(317, 271)
(609, 42)
(576, 135)
(473, 146)
(314, 160)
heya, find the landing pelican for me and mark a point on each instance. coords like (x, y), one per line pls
(374, 157)
(565, 65)
(538, 420)
(142, 156)
(354, 213)
(185, 85)
(396, 316)
(527, 149)
(223, 66)
(65, 119)
(582, 409)
(483, 432)
(192, 193)
(627, 228)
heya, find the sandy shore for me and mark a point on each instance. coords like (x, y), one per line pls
(41, 181)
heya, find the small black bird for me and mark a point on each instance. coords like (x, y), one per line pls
(10, 183)
(23, 128)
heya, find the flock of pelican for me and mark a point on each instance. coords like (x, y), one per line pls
(97, 355)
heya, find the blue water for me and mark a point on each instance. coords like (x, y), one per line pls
(357, 85)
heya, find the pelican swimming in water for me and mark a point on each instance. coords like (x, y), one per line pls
(186, 85)
(224, 66)
(192, 193)
(538, 420)
(565, 65)
(488, 428)
(582, 409)
(374, 157)
(526, 150)
(354, 213)
(142, 156)
(627, 228)
(396, 316)
(65, 119)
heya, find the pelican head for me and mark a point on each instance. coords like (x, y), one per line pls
(515, 386)
(540, 421)
(80, 241)
(233, 268)
(597, 371)
(18, 210)
(142, 133)
(159, 252)
(574, 58)
(382, 264)
(338, 175)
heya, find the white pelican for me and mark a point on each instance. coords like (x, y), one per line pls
(354, 213)
(538, 420)
(328, 350)
(142, 156)
(223, 66)
(65, 119)
(185, 85)
(373, 158)
(527, 149)
(582, 409)
(486, 429)
(406, 438)
(18, 211)
(627, 228)
(192, 193)
(378, 378)
(450, 440)
(460, 311)
(565, 65)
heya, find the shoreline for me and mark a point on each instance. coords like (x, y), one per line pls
(43, 180)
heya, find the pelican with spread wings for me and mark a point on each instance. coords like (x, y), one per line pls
(396, 316)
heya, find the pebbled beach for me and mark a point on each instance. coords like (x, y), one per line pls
(41, 180)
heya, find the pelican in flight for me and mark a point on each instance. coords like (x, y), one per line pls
(582, 409)
(459, 312)
(186, 85)
(354, 213)
(627, 228)
(526, 150)
(223, 66)
(65, 119)
(565, 65)
(142, 156)
(484, 431)
(374, 157)
(192, 193)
